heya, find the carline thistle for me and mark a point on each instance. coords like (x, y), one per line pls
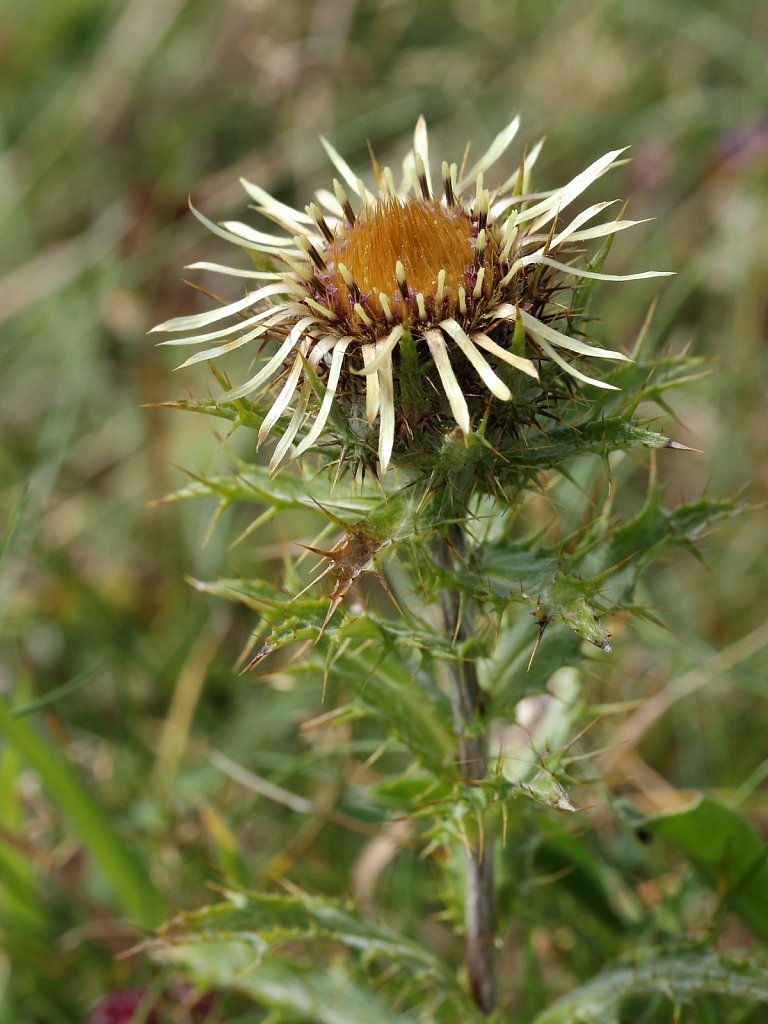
(461, 284)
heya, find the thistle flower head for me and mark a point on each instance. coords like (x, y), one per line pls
(413, 307)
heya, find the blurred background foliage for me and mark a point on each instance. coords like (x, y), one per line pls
(113, 112)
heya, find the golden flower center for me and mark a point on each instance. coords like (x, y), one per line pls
(424, 235)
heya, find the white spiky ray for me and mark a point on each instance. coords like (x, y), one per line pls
(371, 385)
(491, 380)
(260, 238)
(365, 343)
(387, 413)
(330, 202)
(320, 349)
(421, 148)
(283, 400)
(215, 352)
(519, 362)
(273, 206)
(265, 373)
(543, 331)
(543, 212)
(458, 403)
(383, 349)
(578, 220)
(266, 318)
(220, 232)
(281, 449)
(496, 150)
(523, 174)
(599, 231)
(330, 390)
(409, 169)
(220, 268)
(592, 275)
(212, 316)
(341, 166)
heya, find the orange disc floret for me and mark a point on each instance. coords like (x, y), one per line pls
(425, 236)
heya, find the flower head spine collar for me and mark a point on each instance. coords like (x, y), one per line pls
(360, 274)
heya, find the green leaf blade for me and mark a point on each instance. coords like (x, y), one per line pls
(126, 877)
(680, 977)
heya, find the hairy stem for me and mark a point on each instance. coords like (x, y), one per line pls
(467, 704)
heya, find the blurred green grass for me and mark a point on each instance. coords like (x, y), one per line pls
(111, 114)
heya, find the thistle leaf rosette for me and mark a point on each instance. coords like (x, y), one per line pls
(410, 307)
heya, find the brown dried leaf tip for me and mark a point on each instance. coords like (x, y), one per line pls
(353, 555)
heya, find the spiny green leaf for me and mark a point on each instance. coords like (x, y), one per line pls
(557, 445)
(304, 616)
(295, 991)
(509, 674)
(241, 412)
(380, 663)
(567, 599)
(283, 491)
(655, 530)
(534, 577)
(400, 691)
(268, 921)
(545, 788)
(513, 571)
(678, 976)
(290, 619)
(654, 378)
(399, 517)
(532, 757)
(411, 790)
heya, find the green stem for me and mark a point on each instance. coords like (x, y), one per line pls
(467, 703)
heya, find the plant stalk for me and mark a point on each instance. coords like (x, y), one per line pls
(467, 704)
